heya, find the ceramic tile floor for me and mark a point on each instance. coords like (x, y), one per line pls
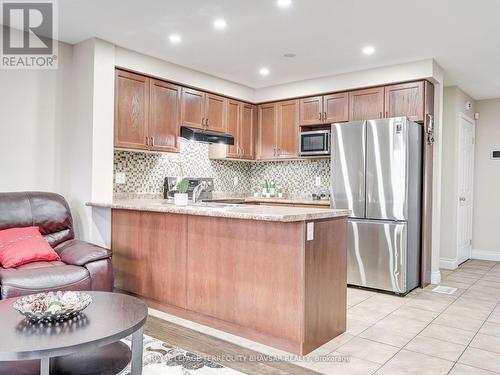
(422, 333)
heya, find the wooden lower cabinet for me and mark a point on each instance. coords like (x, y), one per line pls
(146, 260)
(257, 279)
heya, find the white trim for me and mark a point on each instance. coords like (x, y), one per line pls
(486, 255)
(448, 263)
(436, 277)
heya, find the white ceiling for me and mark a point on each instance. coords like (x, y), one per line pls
(327, 36)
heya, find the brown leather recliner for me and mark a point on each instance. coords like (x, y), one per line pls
(83, 266)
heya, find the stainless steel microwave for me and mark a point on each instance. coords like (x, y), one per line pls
(315, 142)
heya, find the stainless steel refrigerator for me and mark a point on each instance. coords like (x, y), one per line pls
(377, 174)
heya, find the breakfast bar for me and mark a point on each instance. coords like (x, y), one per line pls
(273, 274)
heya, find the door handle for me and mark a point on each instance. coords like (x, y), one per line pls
(462, 199)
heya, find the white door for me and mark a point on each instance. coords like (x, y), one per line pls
(466, 131)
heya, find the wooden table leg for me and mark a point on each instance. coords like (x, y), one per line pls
(137, 348)
(44, 366)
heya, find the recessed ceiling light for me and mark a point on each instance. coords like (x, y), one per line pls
(220, 23)
(284, 3)
(175, 38)
(264, 71)
(369, 50)
(289, 55)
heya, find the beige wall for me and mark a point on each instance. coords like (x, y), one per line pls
(486, 225)
(35, 106)
(454, 103)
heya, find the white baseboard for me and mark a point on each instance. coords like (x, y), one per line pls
(448, 263)
(436, 277)
(486, 255)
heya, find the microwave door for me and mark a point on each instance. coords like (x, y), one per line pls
(315, 143)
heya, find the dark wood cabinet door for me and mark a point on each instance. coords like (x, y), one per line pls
(215, 110)
(164, 116)
(336, 108)
(267, 131)
(131, 110)
(288, 129)
(193, 108)
(246, 134)
(311, 110)
(367, 104)
(233, 127)
(405, 99)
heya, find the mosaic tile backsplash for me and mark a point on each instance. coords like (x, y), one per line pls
(145, 172)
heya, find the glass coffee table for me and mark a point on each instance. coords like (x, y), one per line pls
(87, 344)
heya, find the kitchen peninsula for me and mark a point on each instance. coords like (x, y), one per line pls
(273, 274)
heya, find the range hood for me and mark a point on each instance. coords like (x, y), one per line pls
(206, 136)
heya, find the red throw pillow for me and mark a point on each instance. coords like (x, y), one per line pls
(19, 246)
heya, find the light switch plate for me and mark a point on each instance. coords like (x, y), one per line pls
(120, 178)
(310, 231)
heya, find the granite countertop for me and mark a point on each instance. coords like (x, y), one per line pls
(321, 203)
(236, 211)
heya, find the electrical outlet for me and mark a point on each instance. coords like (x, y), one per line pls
(235, 181)
(120, 178)
(318, 181)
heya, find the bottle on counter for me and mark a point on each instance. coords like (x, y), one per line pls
(272, 189)
(265, 188)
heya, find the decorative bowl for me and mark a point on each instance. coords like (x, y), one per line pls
(52, 306)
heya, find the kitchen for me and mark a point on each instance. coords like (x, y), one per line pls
(279, 178)
(261, 162)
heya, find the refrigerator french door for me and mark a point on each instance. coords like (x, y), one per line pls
(377, 174)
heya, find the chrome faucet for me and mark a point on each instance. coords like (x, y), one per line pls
(198, 190)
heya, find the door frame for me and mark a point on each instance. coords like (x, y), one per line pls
(463, 116)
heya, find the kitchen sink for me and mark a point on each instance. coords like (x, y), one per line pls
(214, 204)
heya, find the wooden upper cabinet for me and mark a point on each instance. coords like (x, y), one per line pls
(406, 99)
(164, 118)
(367, 104)
(267, 133)
(233, 127)
(288, 129)
(193, 108)
(246, 134)
(215, 112)
(336, 108)
(131, 110)
(311, 110)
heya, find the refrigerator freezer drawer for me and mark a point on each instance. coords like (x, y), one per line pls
(377, 254)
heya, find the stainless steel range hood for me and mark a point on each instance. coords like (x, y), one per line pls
(206, 136)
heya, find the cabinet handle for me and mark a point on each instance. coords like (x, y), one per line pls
(324, 116)
(380, 115)
(147, 141)
(279, 151)
(386, 114)
(274, 151)
(242, 151)
(152, 141)
(319, 116)
(206, 122)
